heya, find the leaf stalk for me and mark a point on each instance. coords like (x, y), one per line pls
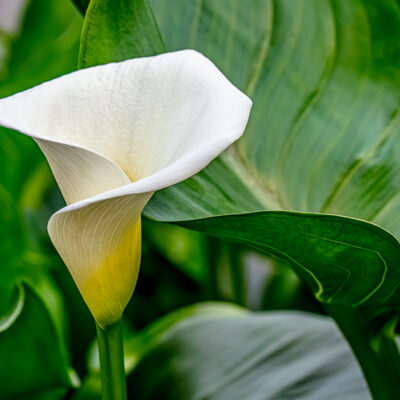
(372, 338)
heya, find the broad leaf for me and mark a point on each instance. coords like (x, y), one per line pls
(32, 359)
(220, 352)
(269, 356)
(137, 346)
(325, 81)
(140, 344)
(345, 261)
(323, 137)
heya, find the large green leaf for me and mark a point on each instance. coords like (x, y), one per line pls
(323, 137)
(324, 78)
(138, 345)
(325, 81)
(345, 261)
(221, 352)
(266, 356)
(32, 359)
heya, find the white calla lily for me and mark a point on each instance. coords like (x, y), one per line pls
(114, 134)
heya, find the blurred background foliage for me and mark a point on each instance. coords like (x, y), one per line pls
(46, 331)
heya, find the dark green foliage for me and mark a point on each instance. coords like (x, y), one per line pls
(33, 358)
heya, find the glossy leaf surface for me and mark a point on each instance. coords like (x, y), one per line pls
(322, 136)
(266, 356)
(303, 117)
(344, 260)
(32, 357)
(324, 79)
(216, 351)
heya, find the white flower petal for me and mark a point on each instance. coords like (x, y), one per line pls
(100, 244)
(81, 173)
(143, 114)
(154, 122)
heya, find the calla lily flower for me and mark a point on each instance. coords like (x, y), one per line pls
(113, 135)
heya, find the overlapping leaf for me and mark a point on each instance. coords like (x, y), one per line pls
(34, 362)
(286, 356)
(325, 81)
(323, 135)
(219, 351)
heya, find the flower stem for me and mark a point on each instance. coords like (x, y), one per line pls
(112, 371)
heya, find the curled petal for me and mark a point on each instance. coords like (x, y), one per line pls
(81, 173)
(101, 246)
(113, 135)
(143, 114)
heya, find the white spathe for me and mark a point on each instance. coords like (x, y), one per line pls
(114, 134)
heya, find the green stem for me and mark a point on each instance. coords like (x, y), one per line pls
(112, 371)
(372, 339)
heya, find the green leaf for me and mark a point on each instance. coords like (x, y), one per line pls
(323, 136)
(283, 355)
(325, 81)
(137, 346)
(110, 30)
(345, 261)
(31, 357)
(221, 351)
